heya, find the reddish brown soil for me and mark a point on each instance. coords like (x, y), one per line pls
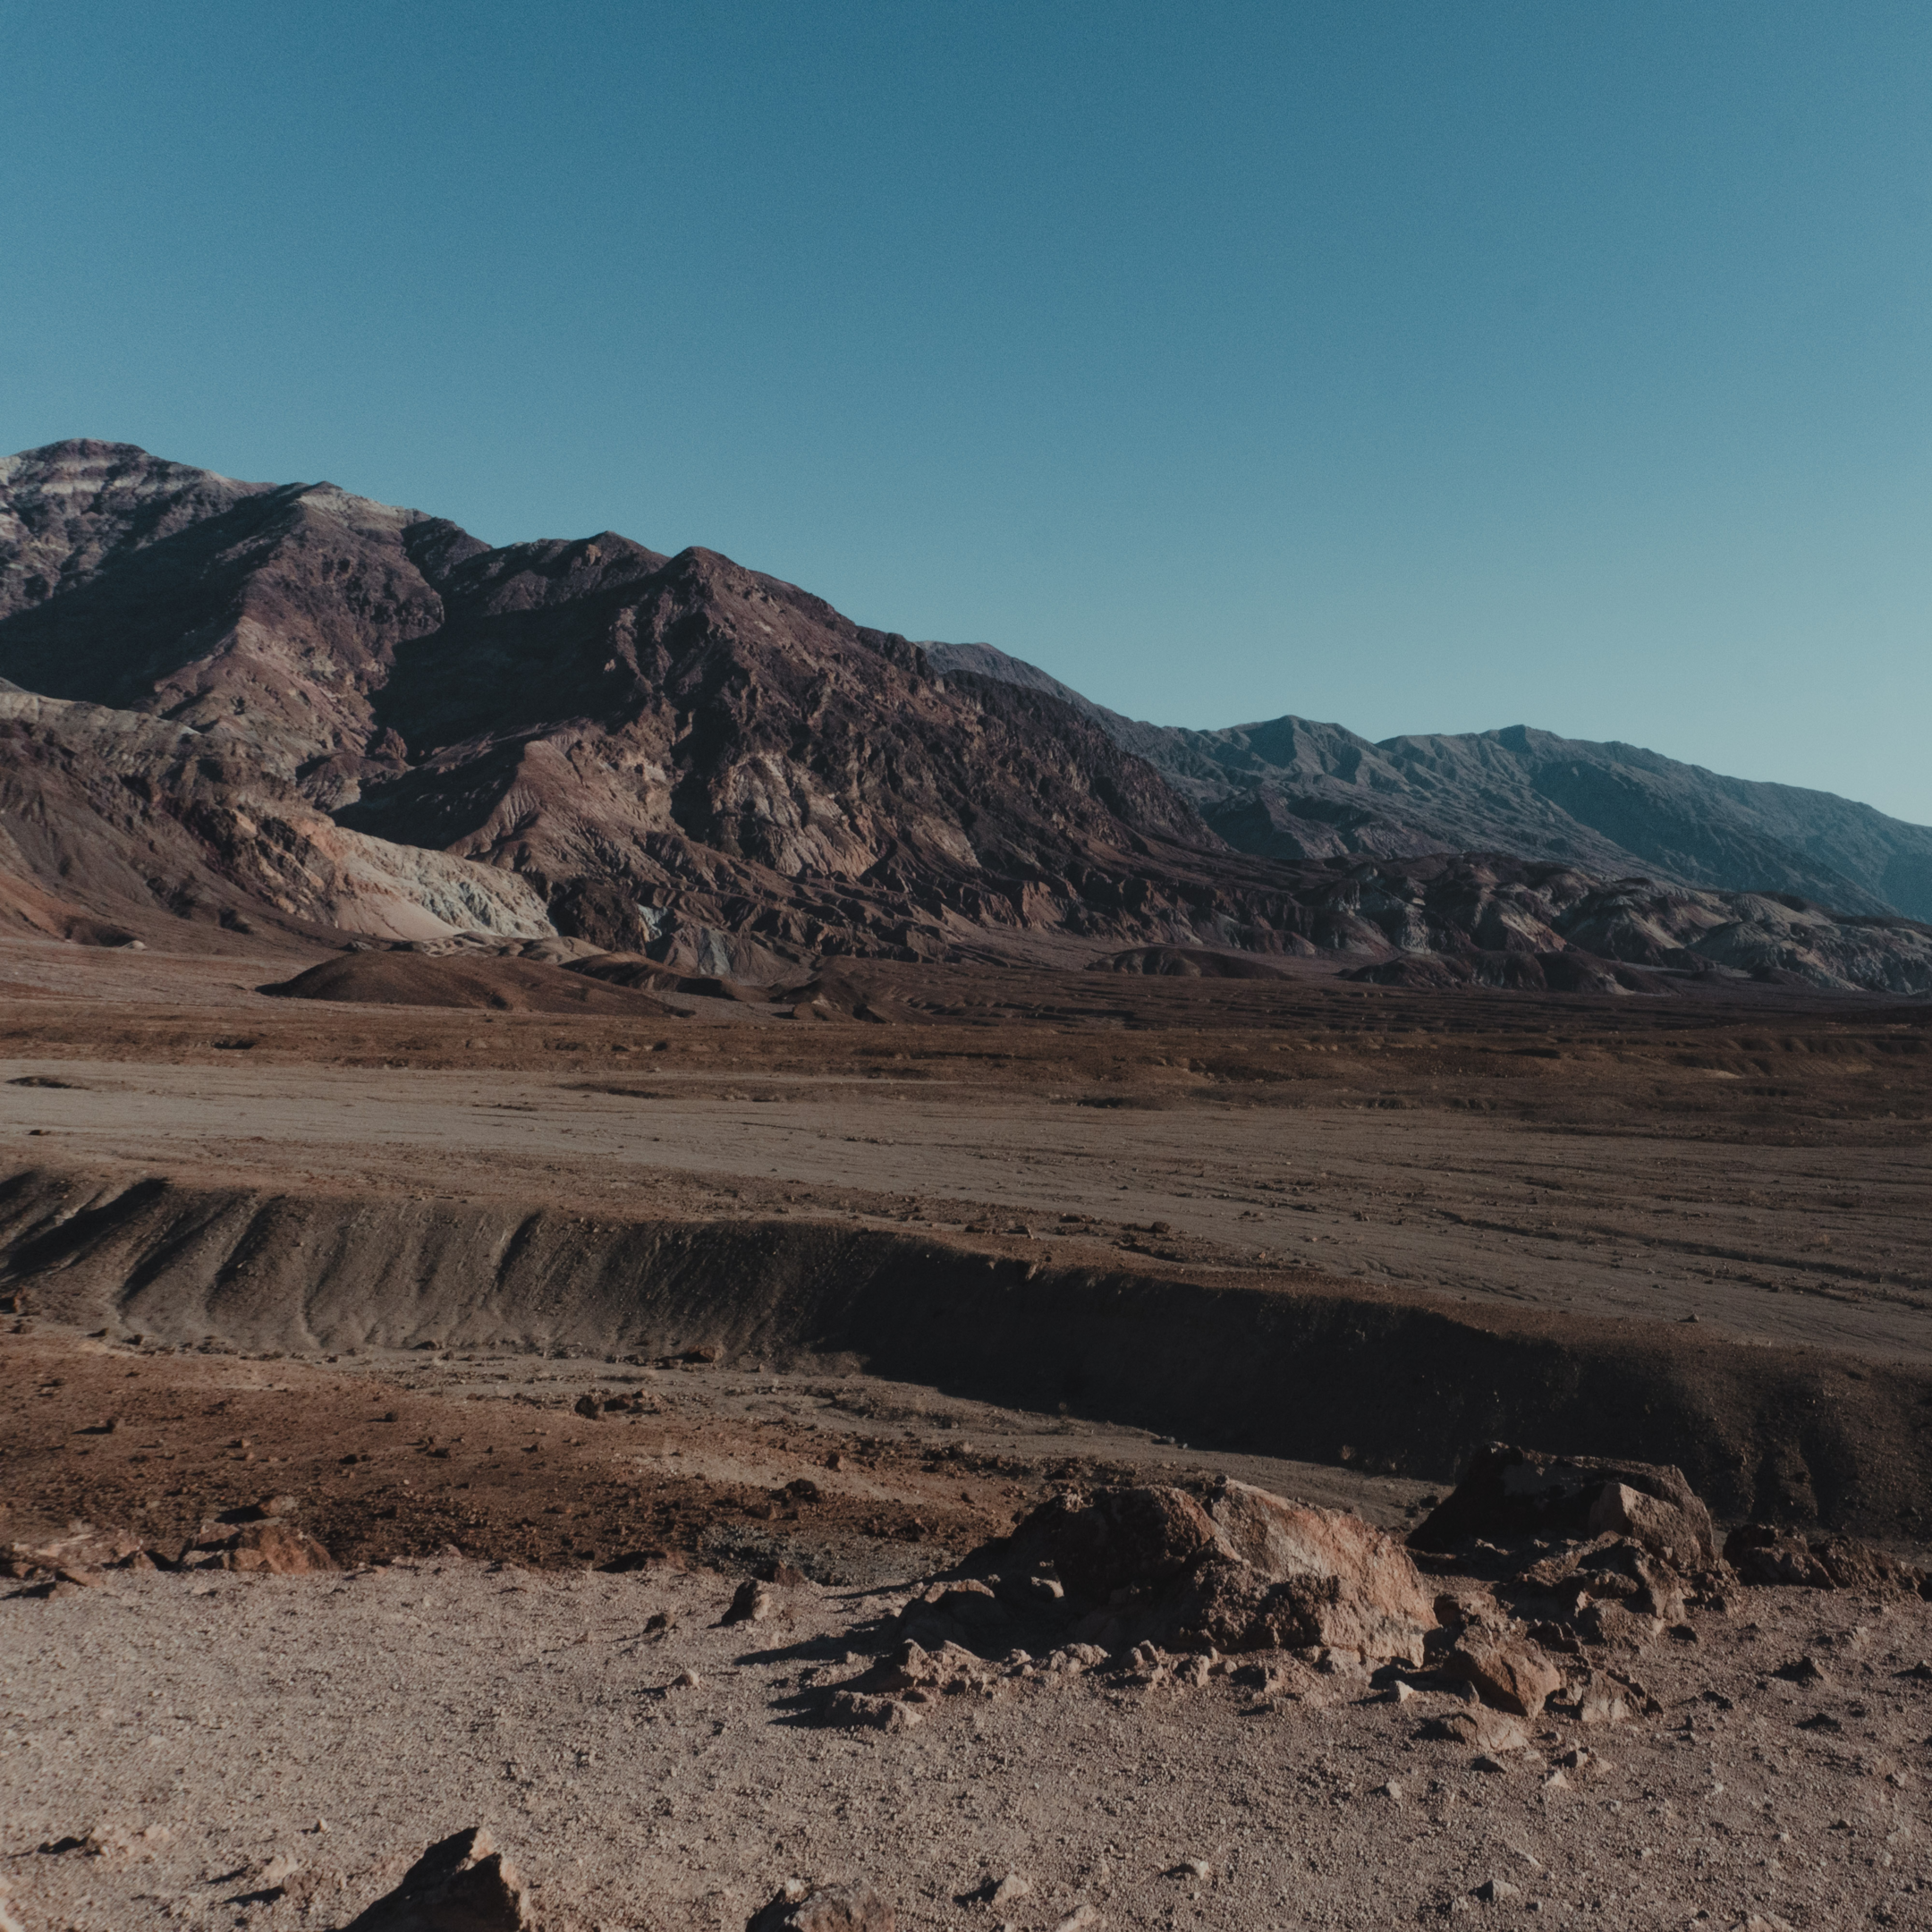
(491, 1459)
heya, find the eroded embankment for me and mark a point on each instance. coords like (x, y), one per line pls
(1326, 1373)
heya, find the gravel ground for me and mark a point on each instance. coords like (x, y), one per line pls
(203, 1727)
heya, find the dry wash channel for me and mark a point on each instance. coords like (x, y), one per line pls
(1315, 1371)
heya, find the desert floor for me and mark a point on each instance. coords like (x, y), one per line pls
(1763, 1167)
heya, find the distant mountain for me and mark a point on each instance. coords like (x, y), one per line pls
(1291, 789)
(250, 706)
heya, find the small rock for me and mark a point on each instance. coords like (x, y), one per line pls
(1497, 1891)
(1613, 1624)
(1510, 1673)
(686, 1680)
(272, 1548)
(861, 1710)
(798, 1907)
(1487, 1730)
(460, 1883)
(1483, 1761)
(1004, 1890)
(1080, 1919)
(1390, 1790)
(1602, 1701)
(752, 1603)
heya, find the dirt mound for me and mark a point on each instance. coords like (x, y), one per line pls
(641, 974)
(500, 984)
(1192, 962)
(1569, 970)
(1418, 972)
(831, 995)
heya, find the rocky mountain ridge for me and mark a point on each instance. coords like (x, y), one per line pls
(236, 702)
(1292, 788)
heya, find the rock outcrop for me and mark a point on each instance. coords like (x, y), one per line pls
(1588, 1556)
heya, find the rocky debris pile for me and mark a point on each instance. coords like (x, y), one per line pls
(259, 1539)
(1508, 1494)
(1585, 1561)
(61, 1564)
(1616, 1552)
(1239, 1570)
(1552, 1575)
(1155, 1582)
(460, 1883)
(1761, 1553)
(631, 1402)
(1586, 1551)
(801, 1906)
(271, 1546)
(897, 1691)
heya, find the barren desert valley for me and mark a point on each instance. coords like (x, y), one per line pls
(667, 1264)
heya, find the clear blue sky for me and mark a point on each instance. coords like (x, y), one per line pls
(1422, 366)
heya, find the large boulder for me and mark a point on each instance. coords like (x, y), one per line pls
(1508, 1494)
(1242, 1570)
(1126, 1539)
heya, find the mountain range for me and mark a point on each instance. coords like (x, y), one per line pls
(1292, 788)
(236, 706)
